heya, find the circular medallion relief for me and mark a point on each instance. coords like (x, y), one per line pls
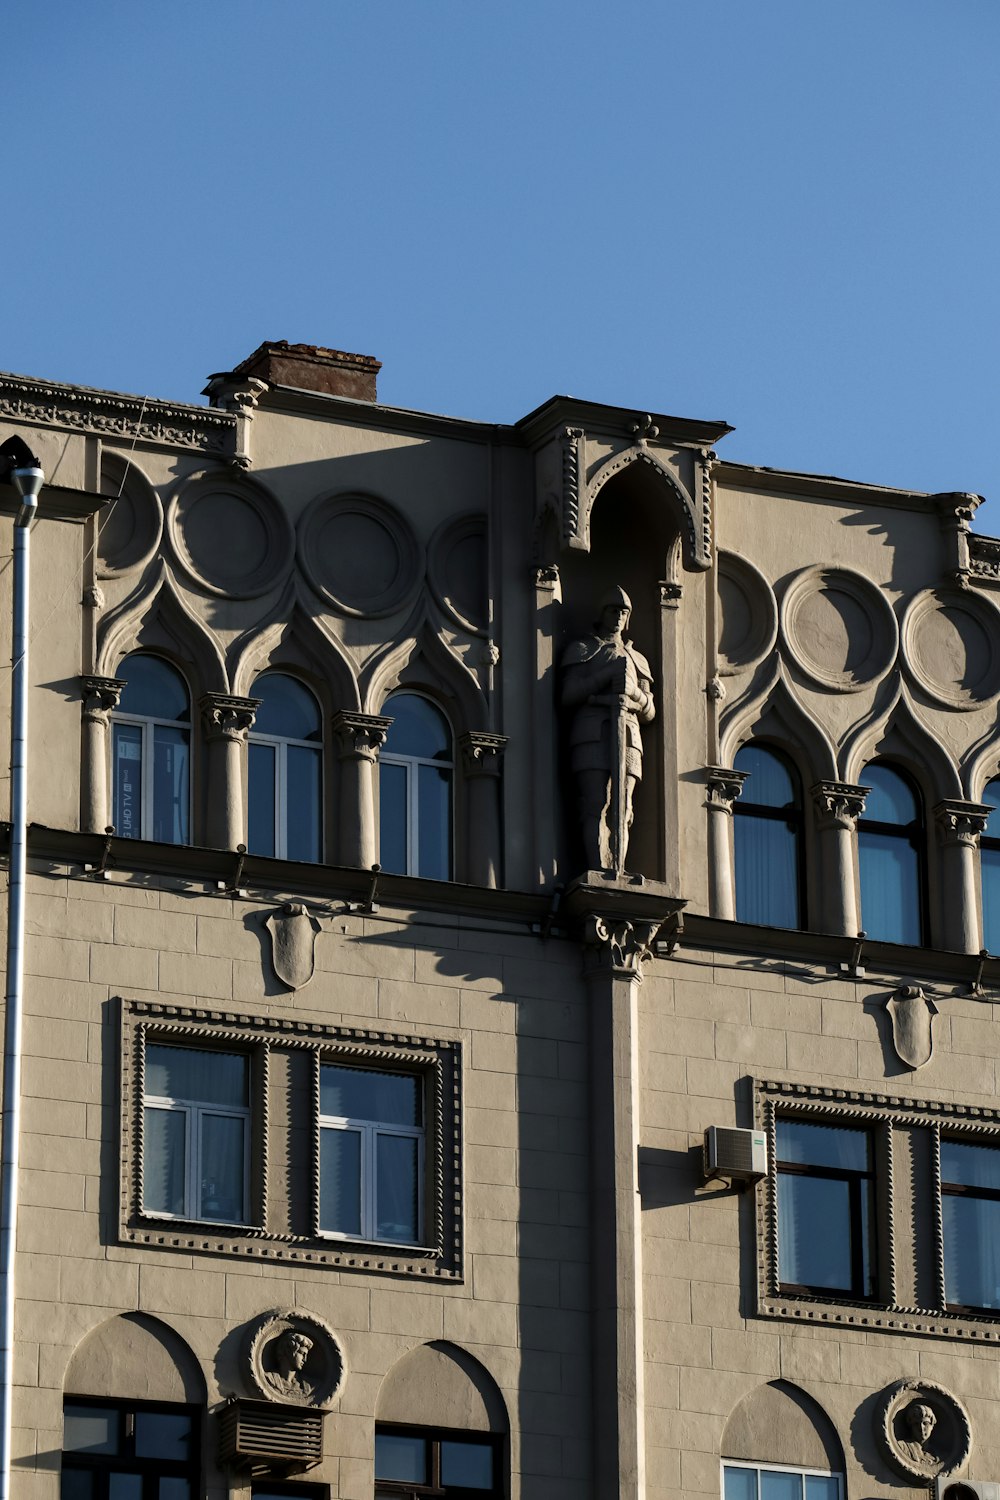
(359, 553)
(949, 644)
(748, 615)
(838, 628)
(128, 527)
(229, 535)
(923, 1430)
(294, 1358)
(457, 570)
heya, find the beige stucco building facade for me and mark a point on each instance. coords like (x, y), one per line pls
(320, 1163)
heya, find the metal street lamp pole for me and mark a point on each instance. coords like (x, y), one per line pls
(25, 473)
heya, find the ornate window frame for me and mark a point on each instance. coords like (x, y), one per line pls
(269, 1235)
(882, 1114)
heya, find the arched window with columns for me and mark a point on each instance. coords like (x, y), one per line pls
(767, 839)
(151, 752)
(989, 855)
(416, 789)
(285, 771)
(892, 857)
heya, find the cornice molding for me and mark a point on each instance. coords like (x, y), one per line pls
(111, 414)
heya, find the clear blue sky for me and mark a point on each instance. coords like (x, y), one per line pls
(783, 213)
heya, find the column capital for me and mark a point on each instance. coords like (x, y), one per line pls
(481, 752)
(618, 946)
(226, 717)
(724, 786)
(360, 736)
(959, 822)
(838, 804)
(101, 696)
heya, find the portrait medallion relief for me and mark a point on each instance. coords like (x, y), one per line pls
(294, 1358)
(129, 526)
(923, 1430)
(748, 615)
(950, 647)
(359, 554)
(229, 535)
(839, 629)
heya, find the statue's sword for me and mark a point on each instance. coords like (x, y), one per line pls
(618, 783)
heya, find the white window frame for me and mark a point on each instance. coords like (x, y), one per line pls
(370, 1131)
(194, 1111)
(411, 765)
(280, 743)
(763, 1468)
(147, 726)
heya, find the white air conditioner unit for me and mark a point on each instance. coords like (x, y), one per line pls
(735, 1153)
(967, 1489)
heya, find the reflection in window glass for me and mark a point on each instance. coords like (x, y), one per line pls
(467, 1464)
(285, 771)
(150, 749)
(767, 836)
(825, 1177)
(371, 1153)
(415, 790)
(989, 856)
(90, 1429)
(970, 1215)
(126, 1450)
(400, 1456)
(760, 1482)
(196, 1133)
(406, 1459)
(891, 858)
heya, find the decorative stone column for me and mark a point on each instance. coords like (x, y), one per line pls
(481, 763)
(724, 786)
(959, 825)
(227, 721)
(838, 806)
(359, 737)
(101, 696)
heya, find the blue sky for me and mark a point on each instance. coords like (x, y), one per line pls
(778, 212)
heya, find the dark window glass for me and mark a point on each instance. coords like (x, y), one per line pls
(418, 728)
(262, 799)
(767, 835)
(401, 1456)
(415, 1461)
(150, 754)
(891, 858)
(970, 1212)
(284, 796)
(826, 1214)
(365, 1094)
(288, 710)
(467, 1464)
(129, 1451)
(153, 689)
(415, 790)
(989, 855)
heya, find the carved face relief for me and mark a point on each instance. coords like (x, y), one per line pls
(911, 1013)
(923, 1430)
(294, 1358)
(293, 944)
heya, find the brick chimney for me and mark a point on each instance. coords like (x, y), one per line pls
(310, 368)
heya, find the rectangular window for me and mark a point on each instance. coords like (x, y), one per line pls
(760, 1482)
(410, 1462)
(196, 1134)
(970, 1219)
(116, 1450)
(826, 1217)
(371, 1154)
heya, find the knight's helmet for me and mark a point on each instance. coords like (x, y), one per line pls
(615, 598)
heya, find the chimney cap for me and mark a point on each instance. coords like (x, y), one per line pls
(310, 367)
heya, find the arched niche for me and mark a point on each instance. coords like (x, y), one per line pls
(439, 1385)
(779, 1424)
(134, 1357)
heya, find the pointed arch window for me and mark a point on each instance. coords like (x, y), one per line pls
(989, 855)
(416, 770)
(892, 857)
(151, 752)
(285, 775)
(767, 838)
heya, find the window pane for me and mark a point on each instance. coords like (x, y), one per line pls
(434, 823)
(223, 1166)
(891, 799)
(971, 1250)
(417, 728)
(814, 1232)
(890, 888)
(823, 1145)
(363, 1094)
(767, 872)
(302, 804)
(77, 1484)
(991, 898)
(340, 1181)
(153, 689)
(197, 1073)
(171, 797)
(163, 1161)
(991, 796)
(973, 1166)
(160, 1434)
(397, 1209)
(468, 1464)
(399, 1456)
(739, 1484)
(261, 799)
(288, 710)
(127, 814)
(124, 1487)
(769, 783)
(175, 1489)
(780, 1486)
(393, 813)
(90, 1429)
(822, 1487)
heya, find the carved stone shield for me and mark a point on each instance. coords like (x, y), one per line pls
(911, 1013)
(293, 944)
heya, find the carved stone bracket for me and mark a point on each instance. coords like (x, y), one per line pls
(226, 717)
(961, 822)
(360, 736)
(670, 594)
(618, 946)
(93, 597)
(101, 696)
(238, 394)
(547, 579)
(724, 786)
(481, 753)
(838, 804)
